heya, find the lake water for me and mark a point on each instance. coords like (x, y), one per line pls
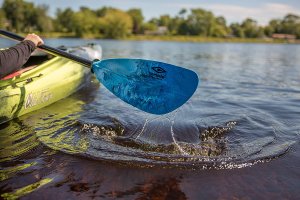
(236, 138)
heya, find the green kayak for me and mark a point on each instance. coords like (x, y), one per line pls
(43, 84)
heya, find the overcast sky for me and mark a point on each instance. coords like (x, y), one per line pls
(232, 10)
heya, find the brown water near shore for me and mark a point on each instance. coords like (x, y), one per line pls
(79, 178)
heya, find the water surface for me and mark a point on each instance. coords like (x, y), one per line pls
(238, 134)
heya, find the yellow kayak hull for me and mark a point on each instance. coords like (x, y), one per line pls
(48, 83)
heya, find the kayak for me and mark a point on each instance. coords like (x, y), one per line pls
(42, 82)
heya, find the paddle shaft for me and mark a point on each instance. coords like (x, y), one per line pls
(51, 50)
(152, 86)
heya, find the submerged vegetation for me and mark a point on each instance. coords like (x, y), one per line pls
(106, 22)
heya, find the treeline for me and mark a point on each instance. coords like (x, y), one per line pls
(107, 22)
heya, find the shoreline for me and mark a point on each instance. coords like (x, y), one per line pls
(167, 38)
(176, 38)
(199, 39)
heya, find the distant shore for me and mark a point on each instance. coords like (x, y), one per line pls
(200, 39)
(176, 38)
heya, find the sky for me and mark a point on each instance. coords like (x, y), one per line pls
(233, 10)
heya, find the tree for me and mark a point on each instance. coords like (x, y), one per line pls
(219, 28)
(237, 30)
(85, 22)
(183, 28)
(3, 20)
(116, 24)
(251, 29)
(64, 21)
(25, 17)
(43, 22)
(274, 26)
(154, 21)
(164, 20)
(14, 13)
(199, 22)
(101, 12)
(137, 19)
(291, 25)
(182, 12)
(148, 26)
(174, 25)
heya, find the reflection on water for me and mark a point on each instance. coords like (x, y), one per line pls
(16, 139)
(245, 112)
(22, 140)
(26, 189)
(154, 189)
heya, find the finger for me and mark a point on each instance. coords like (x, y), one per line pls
(41, 42)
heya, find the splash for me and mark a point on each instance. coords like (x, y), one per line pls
(158, 142)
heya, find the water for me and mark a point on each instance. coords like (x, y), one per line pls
(237, 137)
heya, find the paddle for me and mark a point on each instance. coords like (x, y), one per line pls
(152, 86)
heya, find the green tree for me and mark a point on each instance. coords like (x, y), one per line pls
(154, 21)
(164, 20)
(137, 19)
(219, 28)
(3, 20)
(116, 24)
(251, 28)
(182, 13)
(64, 21)
(101, 12)
(43, 22)
(274, 26)
(167, 21)
(291, 25)
(25, 17)
(14, 13)
(179, 23)
(149, 26)
(29, 23)
(237, 30)
(85, 22)
(174, 25)
(200, 22)
(183, 28)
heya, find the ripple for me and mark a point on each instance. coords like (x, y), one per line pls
(161, 141)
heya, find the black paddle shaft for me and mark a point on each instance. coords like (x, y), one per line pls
(51, 50)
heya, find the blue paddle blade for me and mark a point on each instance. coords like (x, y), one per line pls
(151, 86)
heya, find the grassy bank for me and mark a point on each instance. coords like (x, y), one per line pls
(180, 38)
(177, 38)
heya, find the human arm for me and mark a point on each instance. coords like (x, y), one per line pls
(14, 58)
